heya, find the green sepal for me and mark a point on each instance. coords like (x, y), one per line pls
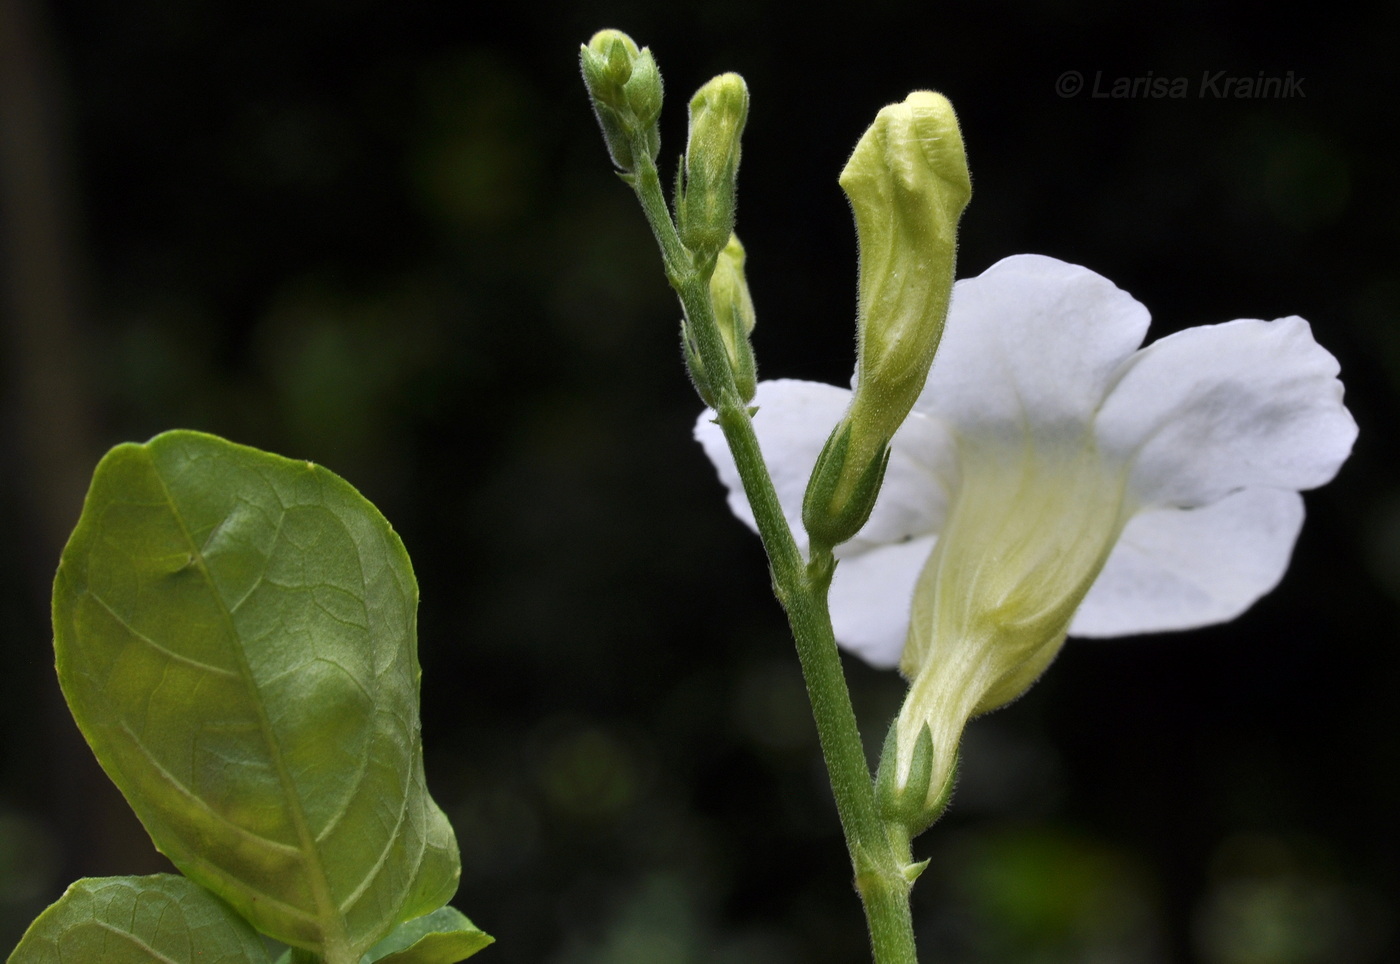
(830, 525)
(445, 936)
(695, 366)
(892, 801)
(616, 137)
(908, 806)
(139, 920)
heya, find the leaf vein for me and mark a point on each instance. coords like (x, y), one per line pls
(132, 938)
(193, 798)
(373, 872)
(163, 650)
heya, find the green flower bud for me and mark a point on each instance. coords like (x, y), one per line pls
(734, 315)
(625, 87)
(908, 184)
(831, 521)
(705, 201)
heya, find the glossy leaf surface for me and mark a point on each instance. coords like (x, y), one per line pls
(445, 936)
(139, 920)
(236, 637)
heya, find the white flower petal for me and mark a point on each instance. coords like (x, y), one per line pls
(1031, 344)
(1211, 430)
(1209, 410)
(793, 422)
(1182, 568)
(871, 596)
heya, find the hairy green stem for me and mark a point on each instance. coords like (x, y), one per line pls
(801, 587)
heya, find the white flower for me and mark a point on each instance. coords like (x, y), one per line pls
(1055, 478)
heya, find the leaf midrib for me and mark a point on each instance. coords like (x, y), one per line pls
(333, 945)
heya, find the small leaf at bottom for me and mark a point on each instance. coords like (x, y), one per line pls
(445, 936)
(139, 920)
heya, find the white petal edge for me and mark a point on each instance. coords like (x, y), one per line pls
(1030, 346)
(793, 422)
(871, 598)
(1209, 410)
(1184, 568)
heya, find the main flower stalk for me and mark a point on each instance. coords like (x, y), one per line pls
(881, 874)
(880, 860)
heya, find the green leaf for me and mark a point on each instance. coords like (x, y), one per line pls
(443, 937)
(139, 920)
(236, 637)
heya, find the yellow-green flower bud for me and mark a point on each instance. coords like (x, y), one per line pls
(908, 184)
(734, 315)
(705, 205)
(625, 87)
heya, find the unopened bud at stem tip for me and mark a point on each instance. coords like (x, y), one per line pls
(625, 87)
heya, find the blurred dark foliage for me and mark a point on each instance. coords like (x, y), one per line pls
(384, 236)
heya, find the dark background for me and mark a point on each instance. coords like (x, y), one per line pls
(385, 237)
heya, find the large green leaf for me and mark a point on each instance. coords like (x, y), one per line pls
(445, 936)
(236, 637)
(139, 920)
